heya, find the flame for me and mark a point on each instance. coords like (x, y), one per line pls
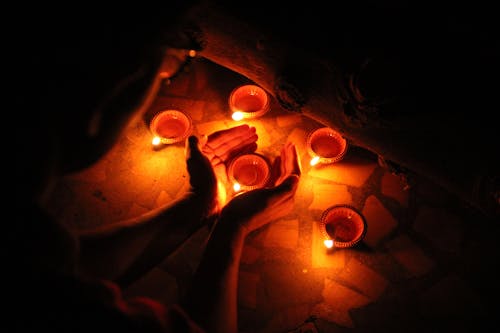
(236, 187)
(156, 141)
(237, 115)
(328, 243)
(314, 160)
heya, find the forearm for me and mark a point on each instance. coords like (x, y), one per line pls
(212, 299)
(131, 247)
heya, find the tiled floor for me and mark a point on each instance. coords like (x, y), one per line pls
(426, 263)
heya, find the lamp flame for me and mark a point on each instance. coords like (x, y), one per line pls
(156, 141)
(314, 160)
(328, 243)
(236, 187)
(237, 115)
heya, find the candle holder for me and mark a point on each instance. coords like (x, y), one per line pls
(249, 171)
(325, 146)
(342, 226)
(248, 101)
(170, 126)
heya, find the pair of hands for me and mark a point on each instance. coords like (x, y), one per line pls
(207, 167)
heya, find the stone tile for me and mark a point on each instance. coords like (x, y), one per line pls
(284, 285)
(379, 220)
(193, 107)
(288, 120)
(95, 174)
(337, 301)
(323, 257)
(394, 187)
(363, 279)
(282, 233)
(156, 284)
(326, 195)
(163, 199)
(247, 289)
(287, 319)
(250, 254)
(353, 172)
(451, 297)
(178, 86)
(431, 192)
(184, 261)
(137, 210)
(443, 229)
(209, 127)
(299, 137)
(410, 256)
(196, 111)
(138, 133)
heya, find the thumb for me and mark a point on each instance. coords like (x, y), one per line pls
(289, 184)
(192, 148)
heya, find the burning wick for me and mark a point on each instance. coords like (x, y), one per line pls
(156, 141)
(236, 187)
(328, 243)
(314, 160)
(237, 116)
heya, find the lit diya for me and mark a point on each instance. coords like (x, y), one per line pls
(170, 126)
(248, 101)
(342, 226)
(248, 172)
(325, 146)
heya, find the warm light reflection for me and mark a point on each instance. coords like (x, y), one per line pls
(328, 243)
(237, 116)
(314, 160)
(156, 141)
(221, 191)
(192, 53)
(236, 187)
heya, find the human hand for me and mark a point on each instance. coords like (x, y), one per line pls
(286, 164)
(201, 175)
(207, 165)
(221, 146)
(253, 209)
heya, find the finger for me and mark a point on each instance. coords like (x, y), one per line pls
(192, 147)
(225, 148)
(285, 190)
(213, 137)
(292, 162)
(275, 171)
(245, 149)
(217, 138)
(297, 168)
